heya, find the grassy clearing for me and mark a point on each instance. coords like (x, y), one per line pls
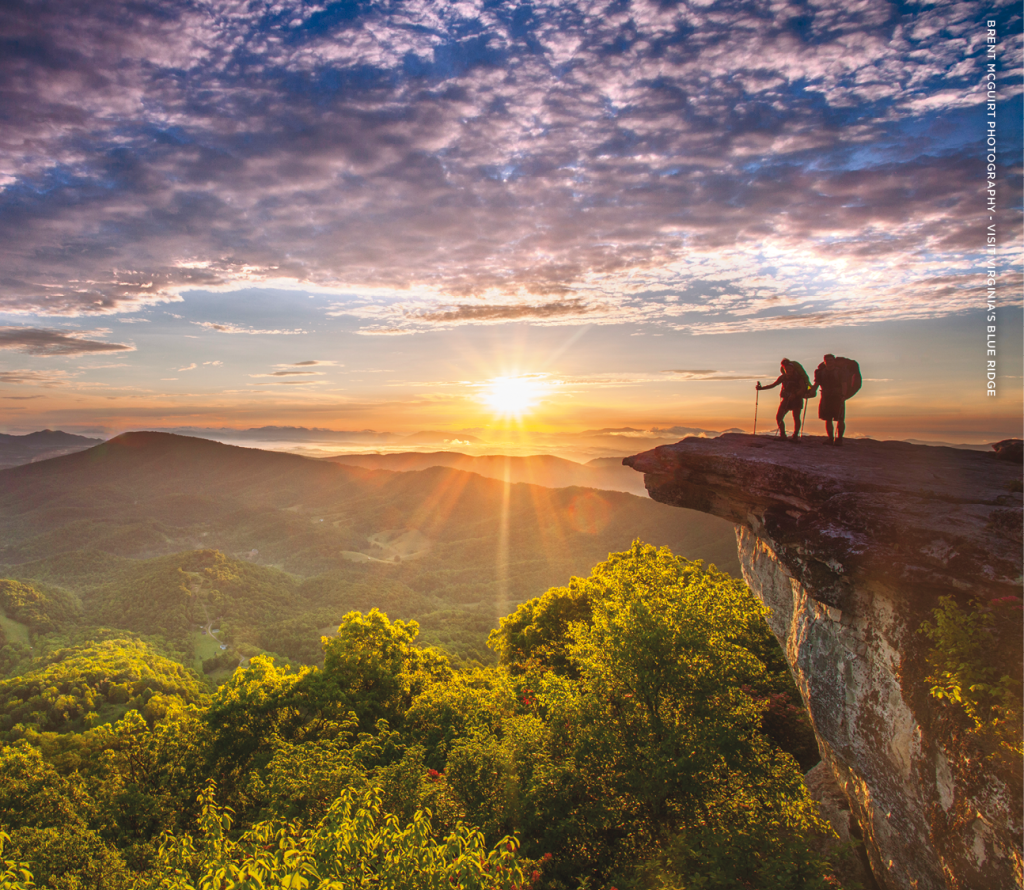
(16, 631)
(221, 675)
(204, 647)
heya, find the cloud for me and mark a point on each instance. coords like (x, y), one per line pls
(21, 398)
(410, 316)
(289, 382)
(709, 375)
(308, 363)
(506, 313)
(190, 367)
(229, 328)
(289, 374)
(36, 378)
(44, 341)
(473, 163)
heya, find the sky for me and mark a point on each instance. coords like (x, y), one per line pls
(507, 220)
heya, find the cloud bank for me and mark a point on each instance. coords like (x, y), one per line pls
(41, 341)
(474, 163)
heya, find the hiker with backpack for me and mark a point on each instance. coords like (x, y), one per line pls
(838, 379)
(795, 388)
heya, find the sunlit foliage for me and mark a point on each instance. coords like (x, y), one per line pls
(79, 687)
(41, 609)
(355, 845)
(962, 669)
(621, 741)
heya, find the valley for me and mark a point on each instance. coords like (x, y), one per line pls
(189, 625)
(161, 535)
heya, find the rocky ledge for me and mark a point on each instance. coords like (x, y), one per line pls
(851, 549)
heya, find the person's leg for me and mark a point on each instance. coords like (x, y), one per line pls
(796, 421)
(840, 429)
(830, 431)
(780, 419)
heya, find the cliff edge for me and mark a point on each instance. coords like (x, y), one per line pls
(851, 549)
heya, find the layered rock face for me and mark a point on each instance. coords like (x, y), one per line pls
(851, 549)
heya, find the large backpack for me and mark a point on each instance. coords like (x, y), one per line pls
(805, 381)
(849, 376)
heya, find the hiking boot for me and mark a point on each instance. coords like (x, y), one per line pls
(782, 434)
(839, 441)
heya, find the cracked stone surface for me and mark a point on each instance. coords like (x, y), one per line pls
(851, 548)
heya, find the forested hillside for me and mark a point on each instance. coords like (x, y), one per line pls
(149, 494)
(178, 537)
(638, 730)
(41, 445)
(231, 668)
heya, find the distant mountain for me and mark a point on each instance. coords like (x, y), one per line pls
(672, 432)
(174, 536)
(149, 494)
(286, 434)
(42, 445)
(972, 447)
(575, 446)
(269, 435)
(435, 437)
(543, 469)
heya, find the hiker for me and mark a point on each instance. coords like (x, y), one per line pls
(795, 386)
(838, 379)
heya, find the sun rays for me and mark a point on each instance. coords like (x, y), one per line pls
(513, 397)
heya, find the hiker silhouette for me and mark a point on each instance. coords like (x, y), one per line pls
(795, 386)
(838, 379)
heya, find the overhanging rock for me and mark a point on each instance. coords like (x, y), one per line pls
(851, 549)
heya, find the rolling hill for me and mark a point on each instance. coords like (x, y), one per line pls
(541, 469)
(451, 548)
(41, 445)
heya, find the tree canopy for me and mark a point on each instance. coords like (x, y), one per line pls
(621, 741)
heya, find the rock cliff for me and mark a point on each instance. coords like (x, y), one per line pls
(851, 548)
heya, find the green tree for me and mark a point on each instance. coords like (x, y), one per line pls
(257, 706)
(374, 669)
(449, 710)
(536, 635)
(67, 684)
(965, 671)
(355, 845)
(71, 858)
(14, 873)
(647, 741)
(34, 794)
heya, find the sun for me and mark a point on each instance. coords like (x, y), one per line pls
(513, 396)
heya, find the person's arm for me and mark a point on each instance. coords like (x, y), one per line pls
(772, 385)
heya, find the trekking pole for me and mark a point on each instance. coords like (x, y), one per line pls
(803, 420)
(756, 400)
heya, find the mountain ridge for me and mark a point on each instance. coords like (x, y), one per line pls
(144, 494)
(539, 469)
(40, 445)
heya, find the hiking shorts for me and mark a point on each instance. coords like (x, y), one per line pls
(791, 403)
(832, 406)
